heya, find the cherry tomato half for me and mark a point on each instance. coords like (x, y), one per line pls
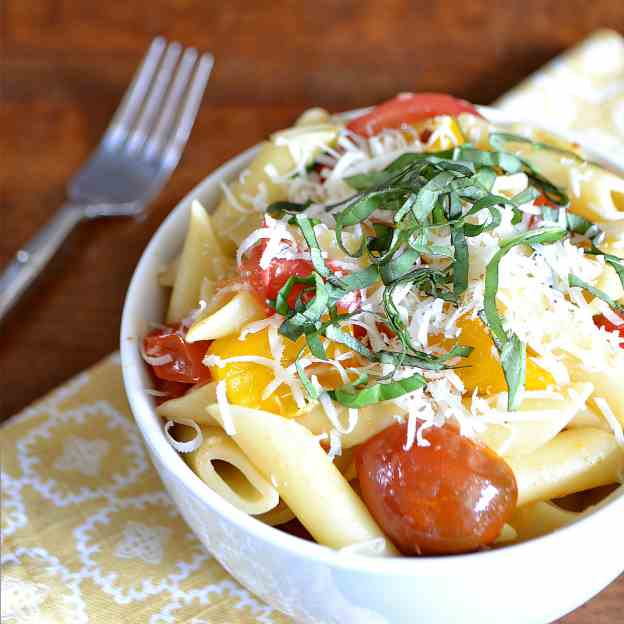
(450, 497)
(601, 321)
(408, 108)
(186, 364)
(266, 283)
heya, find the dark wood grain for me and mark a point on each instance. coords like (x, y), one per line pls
(65, 64)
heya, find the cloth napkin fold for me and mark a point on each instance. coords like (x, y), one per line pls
(580, 93)
(88, 533)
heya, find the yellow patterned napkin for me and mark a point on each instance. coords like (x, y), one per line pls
(89, 535)
(581, 93)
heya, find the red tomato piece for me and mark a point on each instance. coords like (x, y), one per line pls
(425, 135)
(185, 365)
(266, 283)
(360, 332)
(531, 221)
(408, 108)
(453, 496)
(602, 321)
(542, 200)
(171, 389)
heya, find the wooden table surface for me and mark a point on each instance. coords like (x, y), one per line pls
(65, 64)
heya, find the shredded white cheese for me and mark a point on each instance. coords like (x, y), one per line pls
(224, 408)
(188, 446)
(611, 419)
(335, 444)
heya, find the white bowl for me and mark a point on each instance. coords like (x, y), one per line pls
(534, 582)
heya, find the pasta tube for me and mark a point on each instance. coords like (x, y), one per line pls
(191, 406)
(345, 462)
(225, 469)
(266, 177)
(588, 417)
(371, 420)
(229, 319)
(279, 515)
(595, 193)
(312, 117)
(609, 281)
(201, 258)
(607, 385)
(575, 460)
(540, 518)
(291, 458)
(508, 534)
(539, 421)
(614, 243)
(167, 276)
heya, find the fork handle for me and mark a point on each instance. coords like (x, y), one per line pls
(31, 259)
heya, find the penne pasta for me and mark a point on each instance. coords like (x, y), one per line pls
(167, 276)
(536, 422)
(609, 281)
(543, 136)
(540, 518)
(201, 258)
(508, 534)
(313, 117)
(613, 244)
(475, 129)
(291, 458)
(588, 417)
(229, 319)
(225, 469)
(575, 460)
(278, 515)
(594, 193)
(266, 179)
(235, 217)
(370, 420)
(191, 406)
(304, 141)
(345, 462)
(614, 231)
(607, 385)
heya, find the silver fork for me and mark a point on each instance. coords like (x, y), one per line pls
(135, 157)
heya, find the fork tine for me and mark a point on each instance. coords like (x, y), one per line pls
(165, 122)
(173, 150)
(155, 97)
(133, 98)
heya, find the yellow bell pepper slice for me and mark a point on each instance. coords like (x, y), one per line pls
(246, 381)
(483, 370)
